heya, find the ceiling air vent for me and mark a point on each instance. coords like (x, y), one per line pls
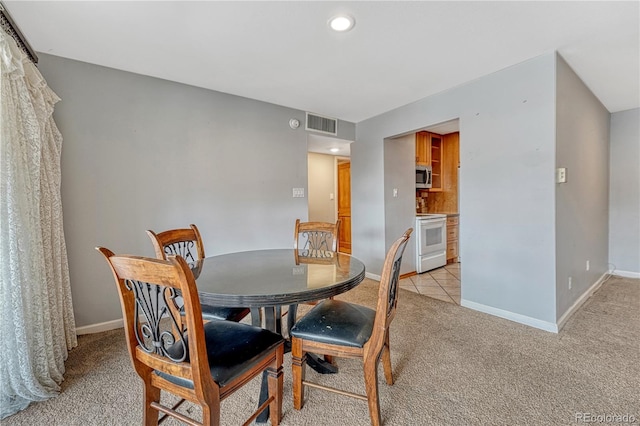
(321, 124)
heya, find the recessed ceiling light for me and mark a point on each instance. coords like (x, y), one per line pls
(334, 149)
(341, 23)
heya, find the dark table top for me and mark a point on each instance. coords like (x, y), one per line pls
(274, 277)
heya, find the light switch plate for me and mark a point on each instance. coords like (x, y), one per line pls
(298, 192)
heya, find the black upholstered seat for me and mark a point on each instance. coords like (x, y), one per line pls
(231, 349)
(336, 322)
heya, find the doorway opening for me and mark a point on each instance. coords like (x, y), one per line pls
(329, 184)
(436, 252)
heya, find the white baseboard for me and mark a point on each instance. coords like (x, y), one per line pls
(372, 276)
(511, 316)
(97, 328)
(626, 274)
(534, 322)
(587, 294)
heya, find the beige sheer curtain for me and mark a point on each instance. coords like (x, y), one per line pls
(37, 326)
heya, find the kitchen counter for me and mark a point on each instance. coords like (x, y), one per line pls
(424, 216)
(448, 214)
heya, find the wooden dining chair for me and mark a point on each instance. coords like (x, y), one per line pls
(199, 362)
(187, 243)
(313, 240)
(342, 329)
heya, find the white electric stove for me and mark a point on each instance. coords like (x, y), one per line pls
(431, 249)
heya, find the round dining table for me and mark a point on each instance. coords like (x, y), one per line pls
(265, 280)
(275, 277)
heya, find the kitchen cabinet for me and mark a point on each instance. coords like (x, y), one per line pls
(453, 223)
(437, 162)
(446, 199)
(423, 151)
(430, 152)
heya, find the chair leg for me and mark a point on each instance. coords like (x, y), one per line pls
(298, 360)
(371, 386)
(275, 379)
(151, 394)
(386, 360)
(211, 414)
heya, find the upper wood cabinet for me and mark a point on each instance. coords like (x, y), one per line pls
(430, 152)
(436, 150)
(423, 151)
(445, 200)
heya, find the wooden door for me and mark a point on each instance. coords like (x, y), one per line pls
(344, 205)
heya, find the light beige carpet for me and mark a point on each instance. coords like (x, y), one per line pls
(453, 366)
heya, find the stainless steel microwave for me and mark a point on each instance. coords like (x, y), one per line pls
(423, 177)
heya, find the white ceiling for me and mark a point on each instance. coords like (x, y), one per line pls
(398, 52)
(324, 145)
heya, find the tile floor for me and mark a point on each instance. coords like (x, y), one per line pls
(442, 283)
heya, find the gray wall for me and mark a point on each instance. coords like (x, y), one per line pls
(507, 198)
(582, 203)
(143, 153)
(624, 199)
(322, 183)
(399, 173)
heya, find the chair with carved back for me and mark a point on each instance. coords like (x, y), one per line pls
(199, 362)
(342, 329)
(187, 243)
(313, 240)
(316, 239)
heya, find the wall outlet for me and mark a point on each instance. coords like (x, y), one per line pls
(561, 175)
(570, 283)
(395, 192)
(588, 266)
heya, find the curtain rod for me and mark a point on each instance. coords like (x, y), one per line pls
(12, 29)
